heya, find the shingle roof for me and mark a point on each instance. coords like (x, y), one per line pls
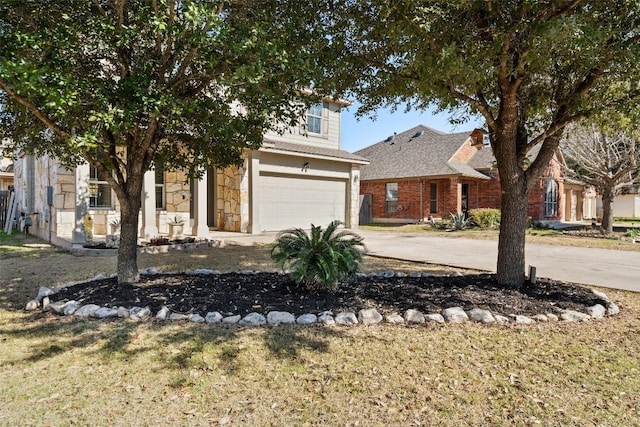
(484, 159)
(316, 151)
(417, 152)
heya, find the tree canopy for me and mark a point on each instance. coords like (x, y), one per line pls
(122, 84)
(605, 158)
(529, 67)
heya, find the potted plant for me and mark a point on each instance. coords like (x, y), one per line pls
(176, 226)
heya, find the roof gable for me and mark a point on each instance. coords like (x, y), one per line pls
(419, 151)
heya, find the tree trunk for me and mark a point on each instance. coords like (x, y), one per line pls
(607, 209)
(128, 251)
(513, 224)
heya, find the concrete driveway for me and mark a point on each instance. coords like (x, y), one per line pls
(600, 267)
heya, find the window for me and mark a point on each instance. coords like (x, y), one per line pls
(391, 197)
(159, 171)
(314, 119)
(433, 200)
(99, 189)
(551, 198)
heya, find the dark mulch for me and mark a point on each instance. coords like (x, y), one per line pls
(263, 292)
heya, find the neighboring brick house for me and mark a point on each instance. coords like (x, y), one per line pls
(295, 179)
(423, 173)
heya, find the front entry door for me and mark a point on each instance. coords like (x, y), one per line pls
(464, 200)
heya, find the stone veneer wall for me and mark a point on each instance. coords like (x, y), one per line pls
(175, 187)
(232, 199)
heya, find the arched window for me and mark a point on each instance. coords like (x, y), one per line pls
(551, 198)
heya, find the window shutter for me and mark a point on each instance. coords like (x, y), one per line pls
(303, 124)
(325, 119)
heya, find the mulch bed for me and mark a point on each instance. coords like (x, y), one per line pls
(236, 293)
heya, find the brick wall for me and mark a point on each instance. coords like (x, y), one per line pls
(481, 194)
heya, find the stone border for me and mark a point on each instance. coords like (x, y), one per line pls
(368, 316)
(153, 249)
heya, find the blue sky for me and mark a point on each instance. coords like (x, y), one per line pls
(359, 134)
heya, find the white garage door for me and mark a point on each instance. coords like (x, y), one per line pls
(287, 202)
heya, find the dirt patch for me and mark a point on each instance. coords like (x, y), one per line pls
(235, 293)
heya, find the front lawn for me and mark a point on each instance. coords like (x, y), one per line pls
(61, 371)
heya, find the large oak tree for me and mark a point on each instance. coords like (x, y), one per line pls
(122, 84)
(528, 67)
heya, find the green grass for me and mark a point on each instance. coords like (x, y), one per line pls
(57, 371)
(180, 374)
(631, 221)
(19, 245)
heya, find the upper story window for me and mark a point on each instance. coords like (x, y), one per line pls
(159, 172)
(391, 196)
(99, 189)
(314, 119)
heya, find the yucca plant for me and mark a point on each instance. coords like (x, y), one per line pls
(459, 221)
(321, 259)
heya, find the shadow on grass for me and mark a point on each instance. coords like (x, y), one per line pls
(171, 345)
(286, 342)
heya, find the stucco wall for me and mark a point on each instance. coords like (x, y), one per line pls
(627, 206)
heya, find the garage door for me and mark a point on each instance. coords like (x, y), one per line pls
(287, 201)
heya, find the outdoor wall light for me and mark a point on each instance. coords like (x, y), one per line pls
(305, 167)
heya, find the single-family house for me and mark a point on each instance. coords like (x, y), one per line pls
(295, 179)
(423, 173)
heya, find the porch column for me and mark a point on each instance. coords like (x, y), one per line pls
(254, 193)
(353, 202)
(82, 203)
(149, 227)
(200, 227)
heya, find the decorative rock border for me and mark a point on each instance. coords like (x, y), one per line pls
(188, 245)
(369, 316)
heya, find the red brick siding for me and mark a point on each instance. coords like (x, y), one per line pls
(482, 194)
(465, 152)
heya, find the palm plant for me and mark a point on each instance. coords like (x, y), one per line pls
(321, 259)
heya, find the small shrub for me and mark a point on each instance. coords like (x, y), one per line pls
(459, 221)
(634, 233)
(485, 217)
(321, 259)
